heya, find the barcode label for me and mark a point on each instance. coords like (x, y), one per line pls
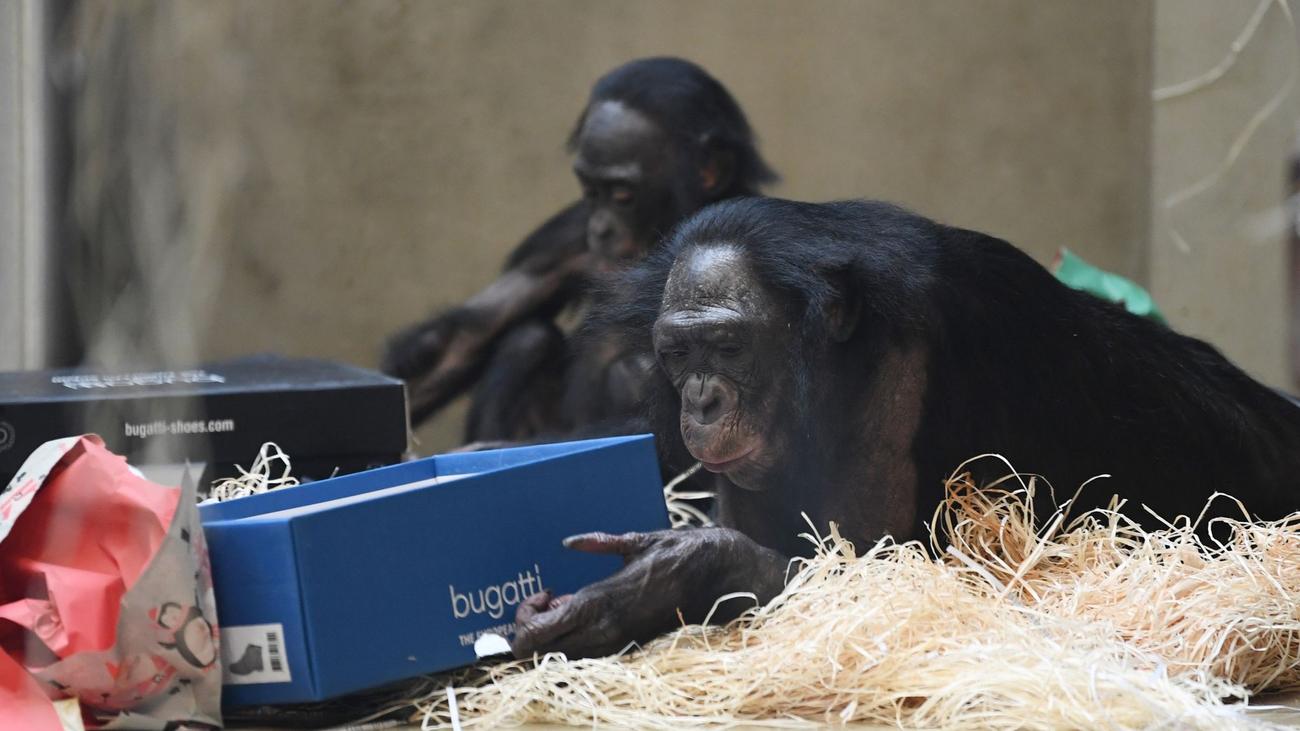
(273, 651)
(254, 653)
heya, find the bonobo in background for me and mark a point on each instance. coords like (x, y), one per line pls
(658, 140)
(840, 360)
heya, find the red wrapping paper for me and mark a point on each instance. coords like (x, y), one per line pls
(105, 595)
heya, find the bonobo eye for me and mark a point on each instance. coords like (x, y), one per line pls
(670, 356)
(730, 350)
(622, 195)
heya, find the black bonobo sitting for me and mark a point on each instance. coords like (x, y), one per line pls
(839, 360)
(658, 140)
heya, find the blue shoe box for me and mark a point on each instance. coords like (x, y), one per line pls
(349, 583)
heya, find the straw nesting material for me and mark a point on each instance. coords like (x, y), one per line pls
(1089, 623)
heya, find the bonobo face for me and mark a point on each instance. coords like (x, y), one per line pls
(625, 165)
(723, 339)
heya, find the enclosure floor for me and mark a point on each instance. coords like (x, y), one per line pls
(1287, 714)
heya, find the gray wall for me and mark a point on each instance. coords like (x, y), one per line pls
(24, 200)
(11, 293)
(396, 151)
(1219, 257)
(342, 169)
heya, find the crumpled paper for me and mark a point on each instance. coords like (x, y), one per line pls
(105, 596)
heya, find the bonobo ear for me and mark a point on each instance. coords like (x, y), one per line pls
(718, 169)
(845, 307)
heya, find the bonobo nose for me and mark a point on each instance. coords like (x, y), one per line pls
(608, 243)
(598, 238)
(707, 399)
(600, 229)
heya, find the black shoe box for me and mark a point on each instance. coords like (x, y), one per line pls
(328, 417)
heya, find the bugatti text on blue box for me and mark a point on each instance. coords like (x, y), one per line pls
(353, 582)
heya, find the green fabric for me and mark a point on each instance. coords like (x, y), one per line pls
(1079, 274)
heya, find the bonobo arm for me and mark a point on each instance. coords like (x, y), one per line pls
(442, 356)
(664, 572)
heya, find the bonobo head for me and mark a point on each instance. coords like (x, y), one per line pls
(720, 333)
(659, 139)
(767, 318)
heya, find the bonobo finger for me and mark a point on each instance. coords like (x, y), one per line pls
(624, 544)
(539, 632)
(532, 606)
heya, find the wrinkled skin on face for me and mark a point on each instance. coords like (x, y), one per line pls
(718, 335)
(635, 180)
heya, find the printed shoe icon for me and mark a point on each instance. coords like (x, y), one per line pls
(251, 662)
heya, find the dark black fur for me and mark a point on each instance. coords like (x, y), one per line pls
(519, 393)
(690, 105)
(1061, 383)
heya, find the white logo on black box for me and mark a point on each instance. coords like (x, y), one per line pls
(7, 435)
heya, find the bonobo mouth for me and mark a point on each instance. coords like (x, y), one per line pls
(617, 257)
(725, 464)
(717, 448)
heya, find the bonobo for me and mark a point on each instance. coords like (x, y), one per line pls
(840, 360)
(658, 140)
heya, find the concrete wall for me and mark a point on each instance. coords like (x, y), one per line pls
(24, 164)
(393, 152)
(11, 181)
(1219, 258)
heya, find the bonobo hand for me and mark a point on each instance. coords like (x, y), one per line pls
(415, 349)
(437, 358)
(663, 572)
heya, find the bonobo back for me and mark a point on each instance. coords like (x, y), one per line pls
(1069, 386)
